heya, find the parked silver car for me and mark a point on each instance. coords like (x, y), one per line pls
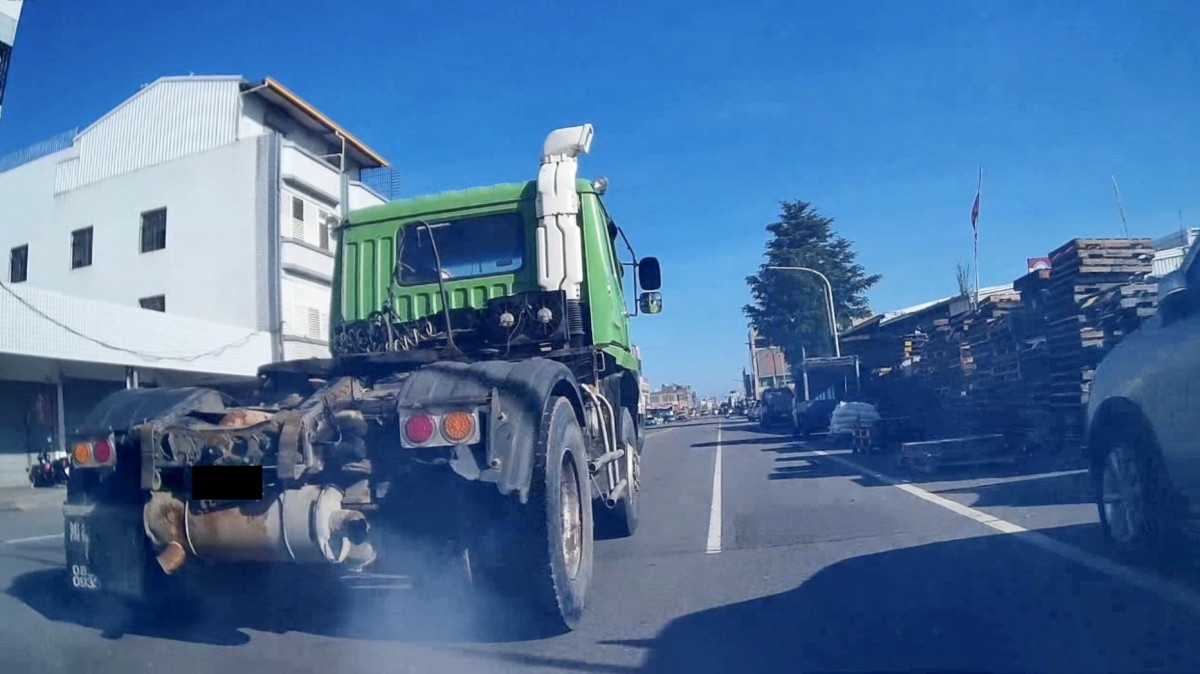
(1143, 422)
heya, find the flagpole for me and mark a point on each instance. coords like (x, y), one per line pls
(978, 201)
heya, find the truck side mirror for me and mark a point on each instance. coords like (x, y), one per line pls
(649, 274)
(1174, 297)
(650, 303)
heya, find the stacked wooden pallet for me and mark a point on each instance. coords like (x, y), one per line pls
(970, 363)
(1080, 328)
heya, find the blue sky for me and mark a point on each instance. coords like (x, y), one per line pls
(879, 113)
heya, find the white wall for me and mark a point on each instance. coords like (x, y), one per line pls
(311, 174)
(26, 205)
(302, 350)
(318, 263)
(305, 307)
(207, 270)
(361, 196)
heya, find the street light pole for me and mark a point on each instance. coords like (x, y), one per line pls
(837, 347)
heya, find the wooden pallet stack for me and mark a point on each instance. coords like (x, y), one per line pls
(1080, 328)
(1033, 417)
(1119, 311)
(970, 364)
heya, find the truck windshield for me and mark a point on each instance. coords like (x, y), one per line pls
(478, 246)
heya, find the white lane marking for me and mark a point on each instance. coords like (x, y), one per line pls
(1144, 580)
(31, 539)
(714, 513)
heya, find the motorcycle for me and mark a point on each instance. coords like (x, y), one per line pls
(49, 472)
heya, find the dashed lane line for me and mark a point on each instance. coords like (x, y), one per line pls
(714, 513)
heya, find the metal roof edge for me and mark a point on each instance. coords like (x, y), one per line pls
(322, 118)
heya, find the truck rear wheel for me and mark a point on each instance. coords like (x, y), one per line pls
(622, 520)
(546, 558)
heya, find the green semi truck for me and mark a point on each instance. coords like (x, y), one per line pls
(481, 405)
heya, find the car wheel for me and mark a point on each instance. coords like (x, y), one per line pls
(1130, 500)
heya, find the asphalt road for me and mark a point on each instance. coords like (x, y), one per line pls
(756, 553)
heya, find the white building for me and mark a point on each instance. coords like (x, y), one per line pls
(1170, 250)
(10, 15)
(212, 200)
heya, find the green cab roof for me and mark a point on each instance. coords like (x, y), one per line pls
(444, 202)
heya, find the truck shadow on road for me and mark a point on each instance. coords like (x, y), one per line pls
(742, 442)
(276, 602)
(990, 603)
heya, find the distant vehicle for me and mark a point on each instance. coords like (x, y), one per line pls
(1142, 422)
(753, 410)
(812, 416)
(663, 416)
(776, 407)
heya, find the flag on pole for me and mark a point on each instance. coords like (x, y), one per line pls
(975, 208)
(975, 229)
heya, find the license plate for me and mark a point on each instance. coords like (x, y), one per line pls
(227, 483)
(83, 579)
(79, 544)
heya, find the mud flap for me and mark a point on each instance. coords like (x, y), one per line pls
(106, 550)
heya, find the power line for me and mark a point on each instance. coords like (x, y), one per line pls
(140, 354)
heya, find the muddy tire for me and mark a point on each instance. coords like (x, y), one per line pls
(621, 521)
(540, 554)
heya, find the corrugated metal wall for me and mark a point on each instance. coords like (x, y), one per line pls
(166, 120)
(1167, 261)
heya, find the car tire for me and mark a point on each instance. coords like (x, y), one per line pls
(1132, 500)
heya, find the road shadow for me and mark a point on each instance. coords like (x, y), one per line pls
(889, 464)
(744, 441)
(992, 603)
(757, 429)
(1058, 489)
(220, 607)
(813, 466)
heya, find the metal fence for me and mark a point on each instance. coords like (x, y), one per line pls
(384, 180)
(38, 150)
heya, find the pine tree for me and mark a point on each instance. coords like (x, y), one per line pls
(789, 308)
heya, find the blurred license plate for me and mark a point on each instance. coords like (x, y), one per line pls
(227, 483)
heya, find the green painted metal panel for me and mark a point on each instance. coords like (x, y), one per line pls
(370, 238)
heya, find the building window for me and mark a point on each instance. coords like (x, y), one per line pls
(81, 248)
(323, 219)
(314, 323)
(5, 58)
(154, 303)
(18, 264)
(154, 230)
(297, 218)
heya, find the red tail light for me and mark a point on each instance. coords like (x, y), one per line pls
(103, 451)
(419, 429)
